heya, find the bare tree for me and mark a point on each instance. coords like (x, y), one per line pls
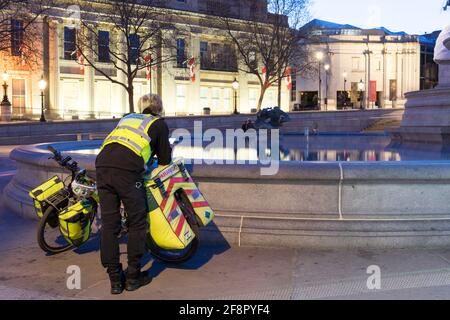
(21, 30)
(268, 42)
(291, 53)
(137, 39)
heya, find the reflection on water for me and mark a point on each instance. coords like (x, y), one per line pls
(316, 148)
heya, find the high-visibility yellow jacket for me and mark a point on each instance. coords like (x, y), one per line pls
(131, 132)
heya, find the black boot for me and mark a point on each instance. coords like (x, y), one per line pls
(137, 280)
(117, 278)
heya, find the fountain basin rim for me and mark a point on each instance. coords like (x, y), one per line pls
(37, 155)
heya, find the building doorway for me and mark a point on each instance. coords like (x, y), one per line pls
(309, 100)
(343, 100)
(18, 97)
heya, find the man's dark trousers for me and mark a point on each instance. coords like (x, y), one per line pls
(116, 185)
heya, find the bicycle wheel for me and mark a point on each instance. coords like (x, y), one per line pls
(178, 256)
(49, 237)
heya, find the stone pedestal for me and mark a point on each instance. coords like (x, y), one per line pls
(426, 117)
(427, 114)
(444, 76)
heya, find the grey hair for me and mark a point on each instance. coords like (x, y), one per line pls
(150, 103)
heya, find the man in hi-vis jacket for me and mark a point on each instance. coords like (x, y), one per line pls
(120, 166)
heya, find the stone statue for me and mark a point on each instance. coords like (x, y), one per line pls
(271, 118)
(442, 49)
(442, 57)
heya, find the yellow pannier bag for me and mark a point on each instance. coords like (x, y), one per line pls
(43, 192)
(168, 225)
(75, 222)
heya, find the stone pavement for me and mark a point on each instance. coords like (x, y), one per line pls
(218, 272)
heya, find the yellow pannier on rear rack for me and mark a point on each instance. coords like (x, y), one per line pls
(44, 192)
(75, 222)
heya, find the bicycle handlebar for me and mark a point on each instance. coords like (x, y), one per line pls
(56, 153)
(63, 162)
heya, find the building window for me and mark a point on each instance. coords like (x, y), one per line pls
(219, 57)
(252, 97)
(103, 99)
(181, 98)
(181, 53)
(70, 46)
(226, 99)
(393, 90)
(70, 94)
(204, 97)
(294, 88)
(16, 37)
(203, 54)
(215, 98)
(269, 99)
(214, 60)
(103, 46)
(135, 44)
(229, 58)
(18, 96)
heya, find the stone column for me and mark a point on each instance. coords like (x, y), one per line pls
(122, 78)
(46, 63)
(89, 84)
(397, 76)
(193, 90)
(54, 79)
(332, 86)
(242, 93)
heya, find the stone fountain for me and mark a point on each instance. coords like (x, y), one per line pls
(427, 113)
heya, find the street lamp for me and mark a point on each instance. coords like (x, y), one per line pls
(235, 86)
(42, 87)
(327, 68)
(319, 57)
(361, 88)
(5, 104)
(345, 80)
(5, 77)
(345, 89)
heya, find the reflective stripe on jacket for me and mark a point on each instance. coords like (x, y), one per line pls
(132, 132)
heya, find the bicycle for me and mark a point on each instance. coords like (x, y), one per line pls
(78, 200)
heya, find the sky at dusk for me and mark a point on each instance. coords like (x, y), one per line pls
(411, 16)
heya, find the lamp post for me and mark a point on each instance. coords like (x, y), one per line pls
(235, 86)
(345, 89)
(361, 88)
(42, 87)
(319, 57)
(5, 104)
(327, 68)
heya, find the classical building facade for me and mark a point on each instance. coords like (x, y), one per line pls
(362, 68)
(76, 92)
